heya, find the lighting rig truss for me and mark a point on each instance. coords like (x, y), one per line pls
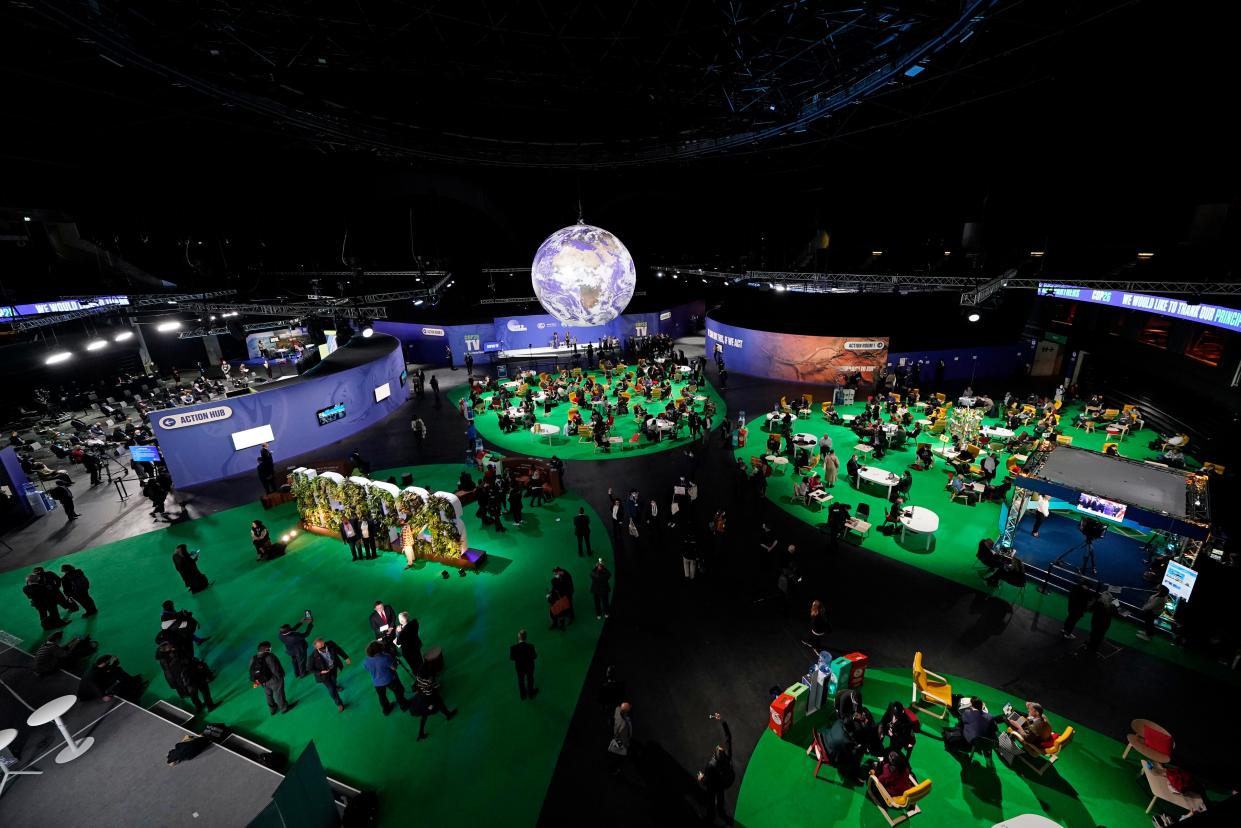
(199, 333)
(973, 291)
(286, 311)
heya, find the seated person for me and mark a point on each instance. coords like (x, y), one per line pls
(894, 512)
(1112, 450)
(1172, 456)
(800, 490)
(601, 438)
(773, 444)
(987, 556)
(506, 423)
(1032, 727)
(956, 485)
(975, 724)
(52, 655)
(893, 774)
(106, 679)
(814, 482)
(996, 494)
(907, 482)
(898, 728)
(465, 483)
(801, 458)
(925, 457)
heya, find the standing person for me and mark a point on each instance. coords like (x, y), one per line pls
(326, 661)
(622, 735)
(77, 588)
(557, 465)
(45, 602)
(600, 587)
(419, 428)
(435, 389)
(469, 364)
(267, 469)
(1080, 597)
(295, 644)
(186, 675)
(1101, 611)
(581, 529)
(186, 563)
(536, 488)
(448, 355)
(1042, 508)
(260, 537)
(381, 664)
(383, 620)
(611, 693)
(819, 628)
(522, 655)
(266, 672)
(267, 366)
(61, 494)
(717, 776)
(368, 529)
(351, 535)
(408, 641)
(157, 494)
(91, 463)
(515, 505)
(1150, 611)
(562, 582)
(831, 468)
(428, 699)
(618, 521)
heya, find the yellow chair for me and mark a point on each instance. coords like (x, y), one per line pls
(825, 408)
(1064, 439)
(940, 398)
(1029, 409)
(1213, 467)
(1110, 414)
(1088, 426)
(905, 802)
(1057, 405)
(585, 434)
(930, 687)
(896, 398)
(1107, 446)
(1127, 408)
(809, 398)
(1047, 755)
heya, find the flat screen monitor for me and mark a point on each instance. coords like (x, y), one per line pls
(404, 376)
(383, 392)
(1179, 579)
(144, 454)
(491, 346)
(1099, 507)
(252, 437)
(331, 414)
(274, 340)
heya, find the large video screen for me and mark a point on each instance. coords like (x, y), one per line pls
(822, 360)
(1099, 507)
(144, 454)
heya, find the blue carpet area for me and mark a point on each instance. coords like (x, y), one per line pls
(1120, 560)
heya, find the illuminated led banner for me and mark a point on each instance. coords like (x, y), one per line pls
(1226, 318)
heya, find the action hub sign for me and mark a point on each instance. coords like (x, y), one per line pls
(193, 418)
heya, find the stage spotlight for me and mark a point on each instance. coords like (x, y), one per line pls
(25, 218)
(55, 358)
(973, 317)
(97, 344)
(293, 533)
(1036, 254)
(368, 332)
(122, 336)
(659, 274)
(284, 538)
(1145, 256)
(876, 252)
(164, 327)
(417, 302)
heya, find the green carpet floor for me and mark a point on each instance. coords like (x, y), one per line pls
(1089, 786)
(568, 448)
(495, 758)
(961, 526)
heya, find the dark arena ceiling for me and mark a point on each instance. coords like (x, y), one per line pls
(537, 83)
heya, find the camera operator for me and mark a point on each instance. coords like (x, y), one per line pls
(91, 461)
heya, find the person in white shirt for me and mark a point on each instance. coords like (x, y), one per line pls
(1042, 508)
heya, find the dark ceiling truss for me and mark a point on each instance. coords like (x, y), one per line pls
(722, 75)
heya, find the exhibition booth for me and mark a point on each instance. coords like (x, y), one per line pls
(355, 387)
(531, 336)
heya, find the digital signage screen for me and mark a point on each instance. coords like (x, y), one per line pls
(331, 414)
(383, 392)
(144, 454)
(1099, 507)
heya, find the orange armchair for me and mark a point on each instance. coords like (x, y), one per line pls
(906, 802)
(930, 687)
(1047, 753)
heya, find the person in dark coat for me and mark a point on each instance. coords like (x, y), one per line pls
(408, 641)
(1102, 610)
(351, 534)
(562, 582)
(600, 587)
(326, 661)
(383, 616)
(45, 602)
(522, 654)
(105, 679)
(77, 588)
(581, 529)
(267, 672)
(61, 494)
(295, 644)
(186, 675)
(186, 563)
(718, 774)
(267, 469)
(1080, 596)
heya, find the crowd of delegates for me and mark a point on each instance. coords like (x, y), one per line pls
(644, 392)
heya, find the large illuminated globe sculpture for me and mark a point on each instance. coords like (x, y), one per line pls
(583, 275)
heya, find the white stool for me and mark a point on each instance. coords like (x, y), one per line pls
(6, 739)
(51, 712)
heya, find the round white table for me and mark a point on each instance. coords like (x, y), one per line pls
(6, 738)
(683, 369)
(514, 411)
(880, 477)
(540, 430)
(924, 422)
(1027, 821)
(663, 427)
(699, 398)
(998, 433)
(51, 713)
(805, 440)
(511, 385)
(920, 521)
(778, 462)
(1174, 441)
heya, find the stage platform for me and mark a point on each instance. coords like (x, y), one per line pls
(1143, 485)
(123, 779)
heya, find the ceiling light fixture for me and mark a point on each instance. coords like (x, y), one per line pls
(164, 327)
(97, 344)
(1145, 256)
(368, 332)
(876, 252)
(55, 358)
(1036, 254)
(973, 317)
(122, 336)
